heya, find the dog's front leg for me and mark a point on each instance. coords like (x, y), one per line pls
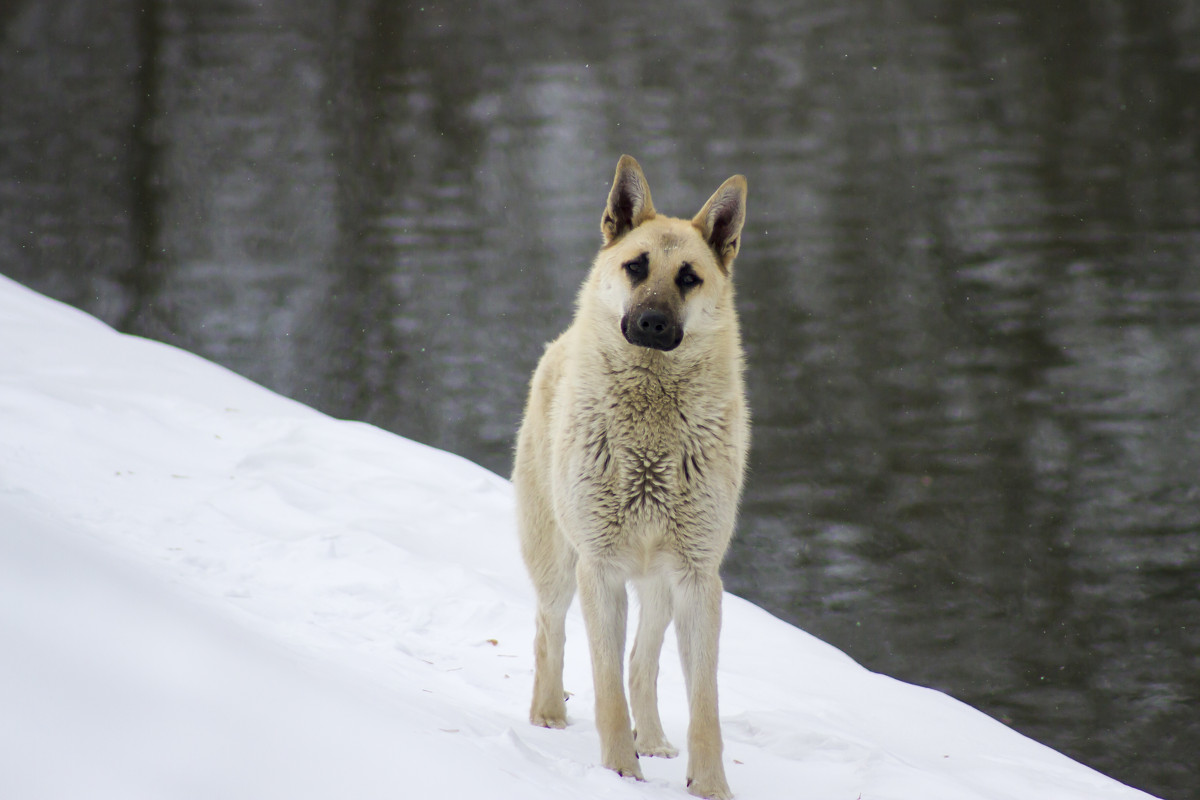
(697, 596)
(655, 595)
(603, 598)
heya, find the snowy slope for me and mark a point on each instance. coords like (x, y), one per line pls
(211, 591)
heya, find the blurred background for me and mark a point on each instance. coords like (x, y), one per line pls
(969, 283)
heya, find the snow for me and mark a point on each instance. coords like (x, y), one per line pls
(212, 591)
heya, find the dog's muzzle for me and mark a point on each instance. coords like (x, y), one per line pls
(651, 328)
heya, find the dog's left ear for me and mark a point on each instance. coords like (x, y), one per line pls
(720, 221)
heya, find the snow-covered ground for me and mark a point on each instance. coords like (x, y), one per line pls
(210, 591)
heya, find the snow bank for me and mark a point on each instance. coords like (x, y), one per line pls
(212, 591)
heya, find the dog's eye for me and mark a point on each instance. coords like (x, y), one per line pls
(638, 268)
(687, 279)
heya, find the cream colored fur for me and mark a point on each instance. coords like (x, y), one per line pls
(629, 468)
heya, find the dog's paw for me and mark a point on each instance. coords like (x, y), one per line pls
(712, 788)
(551, 720)
(628, 770)
(659, 749)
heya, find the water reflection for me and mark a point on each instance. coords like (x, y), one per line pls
(969, 286)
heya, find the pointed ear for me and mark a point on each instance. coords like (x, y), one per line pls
(720, 221)
(628, 203)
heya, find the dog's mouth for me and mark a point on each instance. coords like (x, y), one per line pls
(651, 328)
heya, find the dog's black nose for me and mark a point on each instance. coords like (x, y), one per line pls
(653, 328)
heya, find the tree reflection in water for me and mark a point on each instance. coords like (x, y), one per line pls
(969, 284)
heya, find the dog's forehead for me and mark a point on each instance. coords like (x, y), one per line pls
(673, 238)
(670, 240)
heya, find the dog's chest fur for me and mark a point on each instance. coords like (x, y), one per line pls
(658, 459)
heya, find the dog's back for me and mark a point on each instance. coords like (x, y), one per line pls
(629, 467)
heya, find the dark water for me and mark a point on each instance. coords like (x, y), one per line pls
(970, 283)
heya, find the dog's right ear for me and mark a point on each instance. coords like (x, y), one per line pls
(629, 202)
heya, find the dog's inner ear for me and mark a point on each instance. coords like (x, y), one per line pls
(629, 202)
(720, 221)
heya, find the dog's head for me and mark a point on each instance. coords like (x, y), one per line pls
(667, 277)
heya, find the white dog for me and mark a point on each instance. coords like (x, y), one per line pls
(629, 467)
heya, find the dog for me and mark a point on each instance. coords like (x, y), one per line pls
(629, 467)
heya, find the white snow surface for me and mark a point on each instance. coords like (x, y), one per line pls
(210, 591)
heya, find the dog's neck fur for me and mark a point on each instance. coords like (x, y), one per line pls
(694, 374)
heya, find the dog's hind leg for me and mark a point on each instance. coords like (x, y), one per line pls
(697, 596)
(554, 583)
(654, 594)
(605, 603)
